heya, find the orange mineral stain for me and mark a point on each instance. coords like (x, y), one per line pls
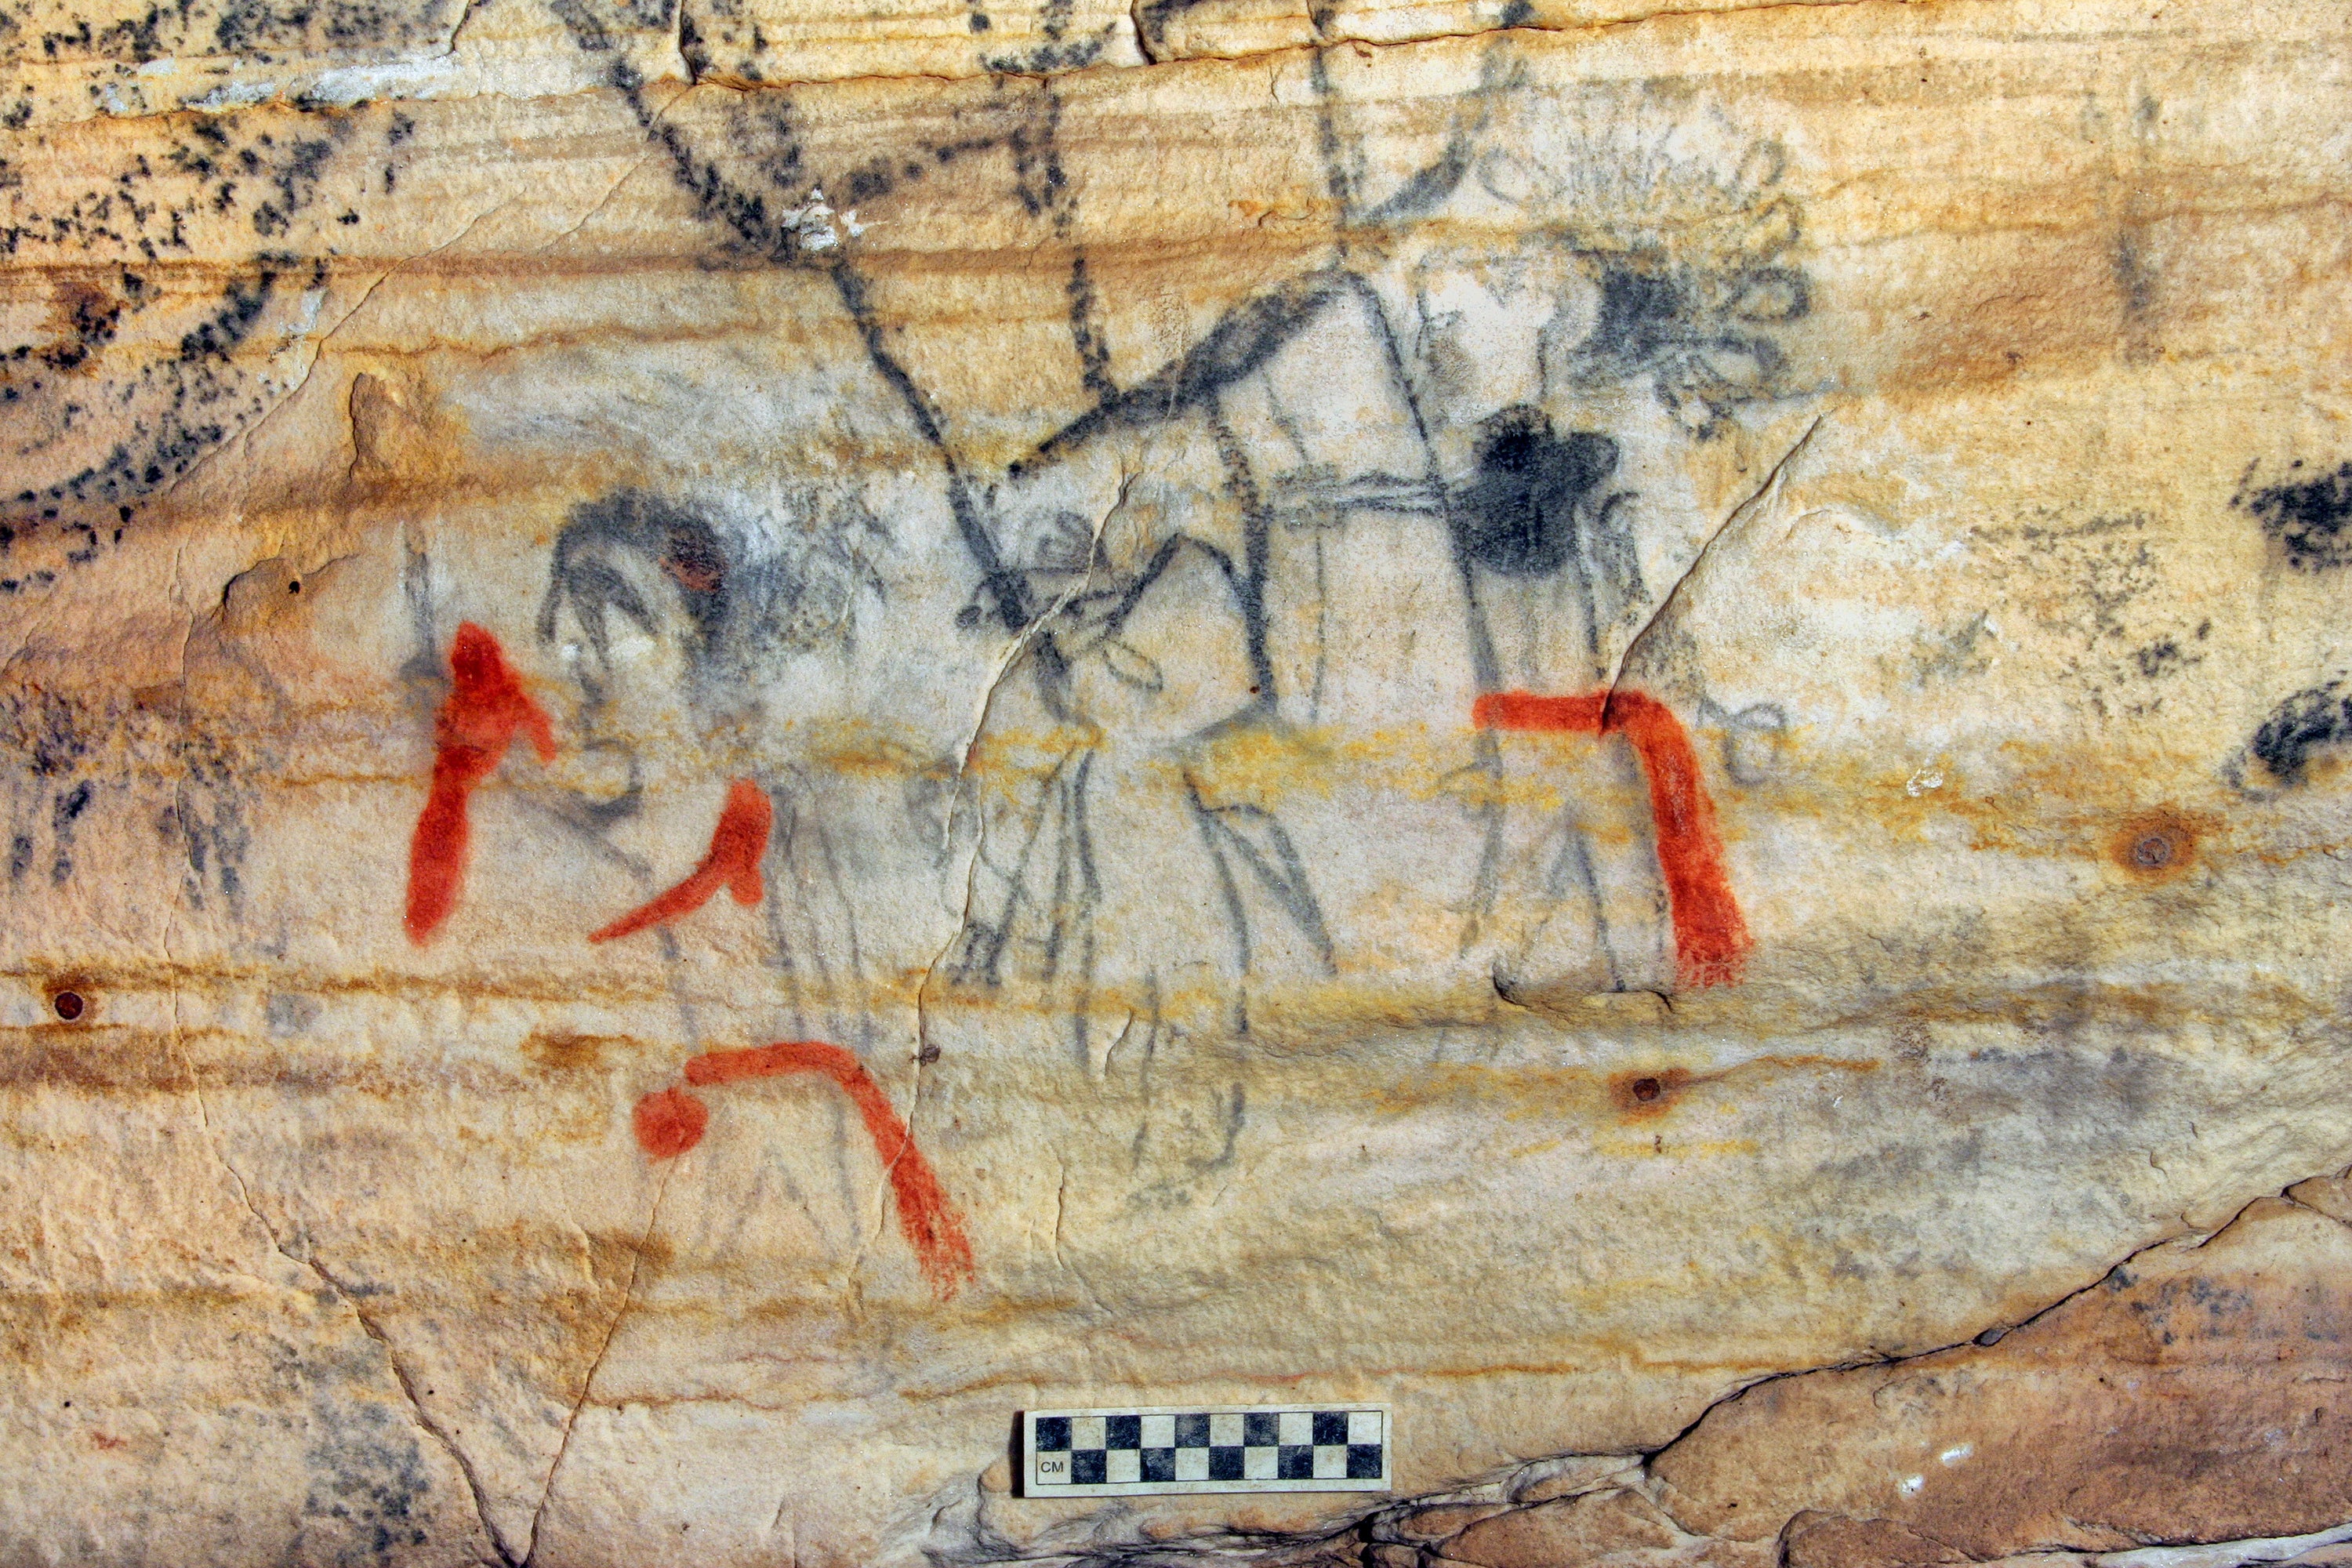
(1711, 939)
(737, 844)
(2158, 845)
(486, 706)
(671, 1122)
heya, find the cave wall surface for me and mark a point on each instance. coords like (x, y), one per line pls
(739, 732)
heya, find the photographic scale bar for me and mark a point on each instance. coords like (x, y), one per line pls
(1156, 1450)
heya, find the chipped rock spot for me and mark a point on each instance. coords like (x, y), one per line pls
(2158, 845)
(1644, 1096)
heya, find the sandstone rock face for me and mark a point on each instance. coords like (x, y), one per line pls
(742, 733)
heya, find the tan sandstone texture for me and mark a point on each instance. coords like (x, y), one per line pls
(1625, 724)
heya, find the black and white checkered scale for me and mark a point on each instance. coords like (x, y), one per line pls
(1255, 1445)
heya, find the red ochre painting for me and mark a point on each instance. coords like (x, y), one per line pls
(672, 1122)
(487, 706)
(1711, 939)
(477, 723)
(737, 844)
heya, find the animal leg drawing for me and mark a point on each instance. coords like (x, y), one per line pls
(1711, 939)
(485, 708)
(671, 1122)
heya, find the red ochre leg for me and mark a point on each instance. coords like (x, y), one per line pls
(926, 1215)
(436, 855)
(1711, 939)
(477, 723)
(737, 846)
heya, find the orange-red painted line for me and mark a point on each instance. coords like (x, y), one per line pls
(1711, 939)
(737, 844)
(477, 721)
(672, 1122)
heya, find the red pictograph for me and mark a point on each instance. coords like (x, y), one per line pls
(485, 708)
(737, 846)
(671, 1122)
(1711, 939)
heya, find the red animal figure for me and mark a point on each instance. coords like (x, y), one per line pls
(737, 846)
(672, 1122)
(486, 706)
(1711, 941)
